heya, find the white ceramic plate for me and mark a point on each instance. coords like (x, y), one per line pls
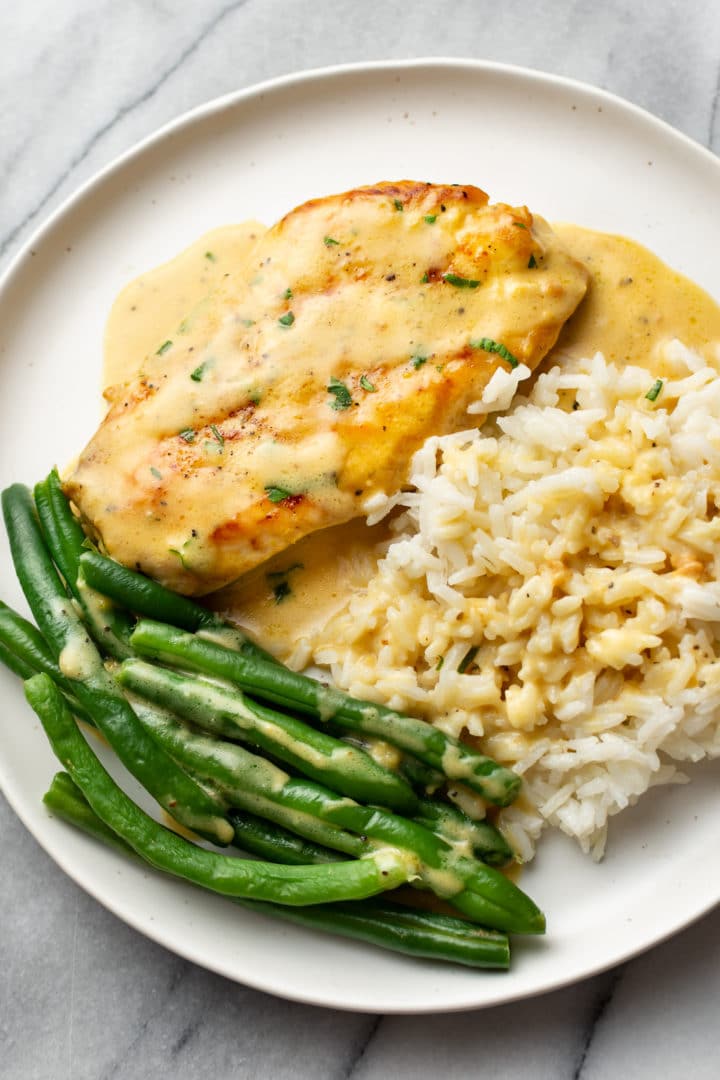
(571, 152)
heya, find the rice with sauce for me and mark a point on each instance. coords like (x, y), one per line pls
(553, 588)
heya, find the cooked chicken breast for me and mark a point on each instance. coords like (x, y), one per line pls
(362, 324)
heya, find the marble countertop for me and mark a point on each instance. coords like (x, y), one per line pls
(83, 81)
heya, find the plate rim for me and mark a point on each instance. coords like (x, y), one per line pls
(44, 229)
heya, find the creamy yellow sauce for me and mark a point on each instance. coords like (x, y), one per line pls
(634, 303)
(179, 828)
(167, 302)
(293, 594)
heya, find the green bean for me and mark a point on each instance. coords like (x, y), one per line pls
(421, 776)
(15, 663)
(259, 837)
(444, 818)
(486, 901)
(66, 800)
(241, 779)
(378, 922)
(25, 641)
(272, 842)
(63, 536)
(81, 664)
(66, 541)
(143, 596)
(24, 650)
(456, 827)
(402, 929)
(295, 885)
(317, 813)
(227, 712)
(250, 832)
(206, 653)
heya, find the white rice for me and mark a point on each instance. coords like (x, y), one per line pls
(574, 541)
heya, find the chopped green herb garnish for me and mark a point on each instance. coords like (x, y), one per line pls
(343, 397)
(532, 261)
(287, 319)
(367, 385)
(255, 397)
(199, 373)
(210, 256)
(277, 494)
(279, 581)
(460, 282)
(281, 591)
(440, 663)
(174, 551)
(164, 348)
(187, 434)
(156, 472)
(519, 224)
(654, 392)
(287, 295)
(424, 279)
(248, 322)
(218, 435)
(418, 361)
(489, 345)
(467, 659)
(430, 219)
(328, 241)
(398, 205)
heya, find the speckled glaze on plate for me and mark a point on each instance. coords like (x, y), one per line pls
(569, 151)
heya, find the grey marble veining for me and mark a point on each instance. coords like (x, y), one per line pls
(83, 996)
